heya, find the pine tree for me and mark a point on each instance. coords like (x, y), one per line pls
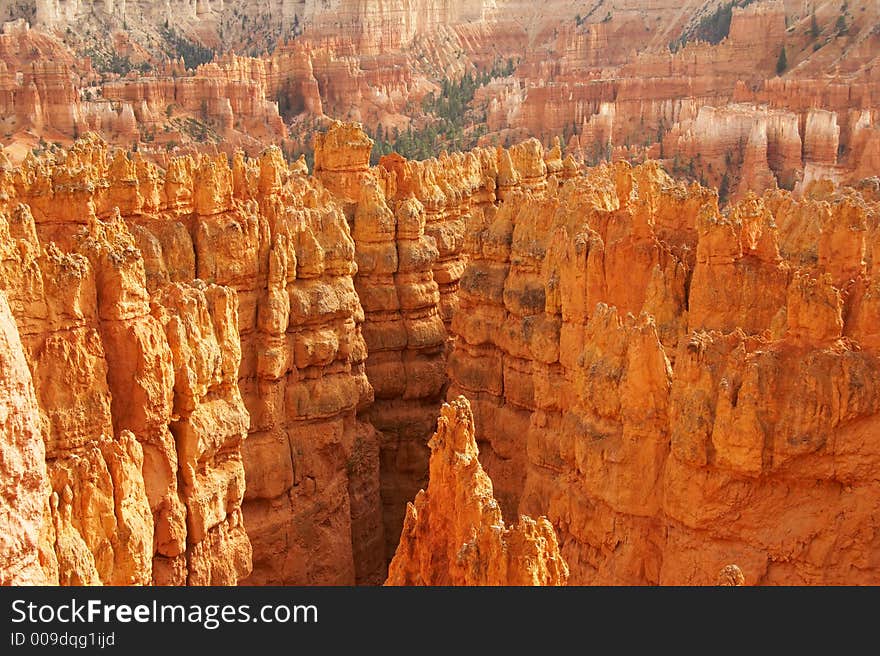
(782, 62)
(724, 188)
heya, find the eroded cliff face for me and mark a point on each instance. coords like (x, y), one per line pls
(140, 413)
(25, 489)
(632, 81)
(238, 291)
(163, 316)
(313, 466)
(636, 83)
(48, 94)
(454, 533)
(676, 389)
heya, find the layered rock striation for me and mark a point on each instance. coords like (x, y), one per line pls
(635, 81)
(141, 415)
(24, 559)
(312, 505)
(407, 223)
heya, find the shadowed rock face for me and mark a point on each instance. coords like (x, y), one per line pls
(235, 368)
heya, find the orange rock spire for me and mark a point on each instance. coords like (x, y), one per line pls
(454, 534)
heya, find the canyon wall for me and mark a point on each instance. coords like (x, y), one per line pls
(663, 432)
(626, 88)
(312, 504)
(628, 81)
(360, 26)
(140, 412)
(408, 223)
(231, 95)
(164, 315)
(55, 96)
(567, 82)
(25, 489)
(244, 287)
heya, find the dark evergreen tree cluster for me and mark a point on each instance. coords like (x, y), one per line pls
(449, 121)
(782, 62)
(724, 189)
(712, 28)
(113, 62)
(193, 54)
(841, 26)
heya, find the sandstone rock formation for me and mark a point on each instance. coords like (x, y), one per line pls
(233, 368)
(731, 576)
(25, 486)
(633, 81)
(166, 307)
(407, 234)
(136, 389)
(454, 533)
(164, 315)
(626, 85)
(667, 434)
(255, 263)
(312, 507)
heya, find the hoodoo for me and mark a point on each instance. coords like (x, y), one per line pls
(453, 534)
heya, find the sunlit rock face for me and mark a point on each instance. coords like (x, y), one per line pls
(166, 316)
